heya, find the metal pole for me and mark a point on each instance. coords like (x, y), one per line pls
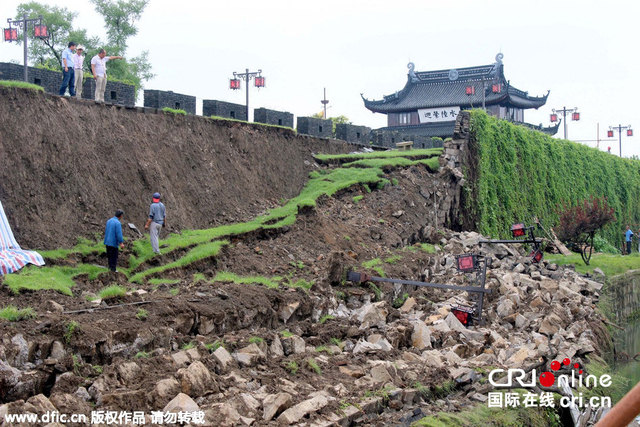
(247, 88)
(620, 138)
(564, 119)
(484, 91)
(325, 104)
(24, 30)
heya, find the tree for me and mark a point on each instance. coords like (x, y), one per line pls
(47, 52)
(120, 18)
(334, 120)
(578, 224)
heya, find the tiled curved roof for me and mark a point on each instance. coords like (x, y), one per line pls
(444, 88)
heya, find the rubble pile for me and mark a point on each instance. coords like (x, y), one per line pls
(337, 354)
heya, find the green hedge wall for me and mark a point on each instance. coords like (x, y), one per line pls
(522, 173)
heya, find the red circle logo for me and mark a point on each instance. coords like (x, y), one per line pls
(547, 379)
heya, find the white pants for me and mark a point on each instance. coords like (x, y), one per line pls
(154, 231)
(101, 85)
(78, 82)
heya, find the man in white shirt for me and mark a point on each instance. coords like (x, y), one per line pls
(78, 62)
(99, 70)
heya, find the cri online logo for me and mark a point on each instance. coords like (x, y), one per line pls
(548, 379)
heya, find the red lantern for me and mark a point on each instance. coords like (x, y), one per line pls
(536, 255)
(518, 230)
(41, 31)
(554, 118)
(466, 262)
(10, 34)
(470, 90)
(463, 314)
(629, 132)
(609, 134)
(575, 116)
(496, 88)
(234, 84)
(259, 81)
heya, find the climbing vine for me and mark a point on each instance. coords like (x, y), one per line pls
(522, 173)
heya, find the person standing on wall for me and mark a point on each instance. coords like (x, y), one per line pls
(99, 70)
(113, 239)
(78, 63)
(67, 70)
(156, 220)
(628, 235)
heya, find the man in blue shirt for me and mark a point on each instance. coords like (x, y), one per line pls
(113, 239)
(156, 221)
(627, 236)
(67, 70)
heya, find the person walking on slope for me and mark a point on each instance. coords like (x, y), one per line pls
(156, 221)
(627, 237)
(113, 239)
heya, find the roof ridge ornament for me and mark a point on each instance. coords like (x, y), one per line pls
(499, 58)
(412, 74)
(453, 74)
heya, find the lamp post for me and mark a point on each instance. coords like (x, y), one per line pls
(11, 34)
(259, 80)
(324, 102)
(575, 116)
(619, 129)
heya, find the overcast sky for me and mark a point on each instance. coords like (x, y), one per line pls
(583, 51)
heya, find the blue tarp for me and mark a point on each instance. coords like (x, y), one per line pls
(12, 258)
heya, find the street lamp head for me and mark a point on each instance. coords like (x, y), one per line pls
(575, 116)
(629, 131)
(609, 134)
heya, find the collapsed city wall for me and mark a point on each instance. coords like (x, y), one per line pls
(65, 166)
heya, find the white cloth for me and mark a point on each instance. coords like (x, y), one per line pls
(100, 65)
(12, 258)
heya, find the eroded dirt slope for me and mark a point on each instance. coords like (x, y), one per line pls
(336, 354)
(66, 165)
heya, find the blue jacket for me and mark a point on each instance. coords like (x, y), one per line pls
(113, 232)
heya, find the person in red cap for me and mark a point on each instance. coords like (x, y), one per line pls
(156, 220)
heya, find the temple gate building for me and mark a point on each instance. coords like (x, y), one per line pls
(431, 100)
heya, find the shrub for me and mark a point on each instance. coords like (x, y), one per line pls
(578, 224)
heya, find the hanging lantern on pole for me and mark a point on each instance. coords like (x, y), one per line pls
(10, 34)
(234, 84)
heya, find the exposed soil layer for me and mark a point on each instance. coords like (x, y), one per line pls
(66, 169)
(352, 350)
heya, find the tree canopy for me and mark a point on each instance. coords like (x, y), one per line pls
(120, 17)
